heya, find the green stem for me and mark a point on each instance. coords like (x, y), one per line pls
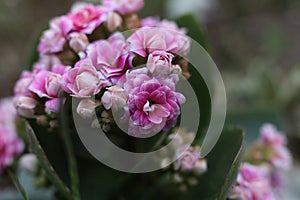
(73, 171)
(18, 185)
(45, 164)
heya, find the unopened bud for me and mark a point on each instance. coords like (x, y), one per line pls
(114, 21)
(78, 42)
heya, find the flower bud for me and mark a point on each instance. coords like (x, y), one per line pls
(201, 166)
(25, 106)
(86, 108)
(28, 162)
(78, 42)
(114, 21)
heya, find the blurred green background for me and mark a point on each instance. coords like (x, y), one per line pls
(255, 44)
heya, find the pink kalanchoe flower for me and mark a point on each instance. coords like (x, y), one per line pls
(54, 39)
(78, 41)
(252, 184)
(280, 157)
(8, 112)
(124, 6)
(149, 39)
(84, 80)
(152, 106)
(86, 108)
(87, 17)
(46, 62)
(150, 21)
(188, 160)
(114, 98)
(111, 56)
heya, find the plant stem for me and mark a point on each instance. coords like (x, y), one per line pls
(73, 171)
(18, 185)
(45, 164)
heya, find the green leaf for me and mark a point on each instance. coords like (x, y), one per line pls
(223, 162)
(45, 164)
(195, 31)
(198, 84)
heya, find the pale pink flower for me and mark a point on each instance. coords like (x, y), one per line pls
(29, 162)
(54, 39)
(78, 41)
(10, 146)
(111, 56)
(83, 80)
(160, 63)
(86, 108)
(280, 157)
(25, 106)
(152, 106)
(114, 98)
(124, 6)
(150, 21)
(87, 17)
(8, 112)
(252, 184)
(149, 39)
(187, 159)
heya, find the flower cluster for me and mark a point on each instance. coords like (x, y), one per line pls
(83, 54)
(260, 176)
(10, 145)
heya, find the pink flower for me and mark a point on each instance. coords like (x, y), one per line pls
(111, 56)
(149, 39)
(188, 160)
(114, 97)
(269, 135)
(252, 184)
(124, 6)
(46, 62)
(114, 21)
(150, 21)
(275, 142)
(25, 106)
(21, 86)
(87, 17)
(160, 63)
(8, 112)
(83, 80)
(86, 108)
(152, 106)
(54, 39)
(10, 146)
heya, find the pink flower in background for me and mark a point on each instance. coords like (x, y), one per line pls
(83, 80)
(114, 98)
(87, 17)
(269, 135)
(149, 39)
(276, 144)
(46, 62)
(124, 6)
(86, 108)
(10, 145)
(187, 158)
(252, 184)
(114, 21)
(54, 39)
(160, 63)
(111, 56)
(152, 106)
(150, 21)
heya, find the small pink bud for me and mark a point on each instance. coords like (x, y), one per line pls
(201, 166)
(78, 42)
(115, 98)
(114, 21)
(28, 162)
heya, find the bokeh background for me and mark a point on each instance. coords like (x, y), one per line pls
(255, 44)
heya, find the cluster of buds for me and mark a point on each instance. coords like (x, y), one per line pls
(84, 55)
